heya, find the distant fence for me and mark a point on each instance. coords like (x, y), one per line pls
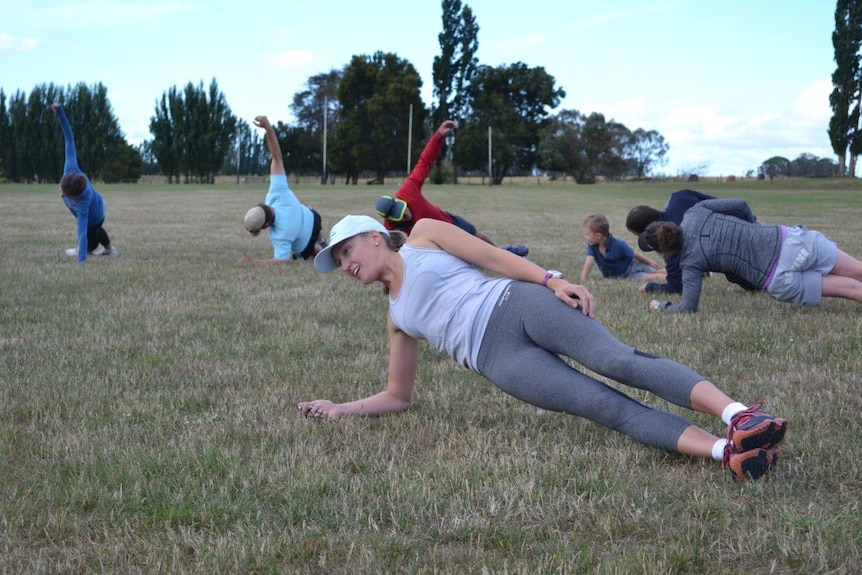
(397, 180)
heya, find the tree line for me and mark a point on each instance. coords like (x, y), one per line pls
(31, 143)
(366, 115)
(844, 130)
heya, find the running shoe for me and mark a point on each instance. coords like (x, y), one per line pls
(96, 252)
(753, 428)
(518, 250)
(752, 464)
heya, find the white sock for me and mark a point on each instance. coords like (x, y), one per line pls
(732, 410)
(718, 449)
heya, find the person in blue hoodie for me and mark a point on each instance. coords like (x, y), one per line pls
(85, 203)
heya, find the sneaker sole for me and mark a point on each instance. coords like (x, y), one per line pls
(753, 464)
(765, 435)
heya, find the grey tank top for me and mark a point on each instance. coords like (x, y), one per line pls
(446, 301)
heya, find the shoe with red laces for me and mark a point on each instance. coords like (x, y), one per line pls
(752, 464)
(753, 428)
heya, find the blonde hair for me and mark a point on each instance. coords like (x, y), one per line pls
(598, 223)
(393, 241)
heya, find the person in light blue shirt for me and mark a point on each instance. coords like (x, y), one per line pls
(294, 228)
(85, 203)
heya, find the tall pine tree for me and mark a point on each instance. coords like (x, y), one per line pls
(844, 99)
(455, 66)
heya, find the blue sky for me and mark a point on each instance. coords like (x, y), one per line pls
(728, 84)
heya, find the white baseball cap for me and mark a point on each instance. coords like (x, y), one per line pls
(346, 228)
(254, 219)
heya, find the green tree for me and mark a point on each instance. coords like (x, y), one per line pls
(308, 104)
(249, 149)
(454, 67)
(98, 137)
(12, 127)
(576, 144)
(5, 140)
(775, 166)
(38, 137)
(317, 107)
(165, 146)
(562, 147)
(514, 101)
(300, 148)
(844, 99)
(810, 166)
(606, 142)
(376, 94)
(125, 164)
(647, 149)
(457, 62)
(150, 166)
(585, 147)
(193, 132)
(31, 143)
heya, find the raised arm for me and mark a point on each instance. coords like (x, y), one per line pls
(398, 395)
(276, 167)
(71, 162)
(430, 153)
(446, 127)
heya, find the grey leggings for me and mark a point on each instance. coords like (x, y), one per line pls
(528, 331)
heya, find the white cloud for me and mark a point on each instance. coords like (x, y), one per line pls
(523, 42)
(706, 124)
(105, 13)
(724, 135)
(289, 59)
(813, 102)
(598, 20)
(9, 43)
(631, 112)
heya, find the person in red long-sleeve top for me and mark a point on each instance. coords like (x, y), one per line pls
(408, 206)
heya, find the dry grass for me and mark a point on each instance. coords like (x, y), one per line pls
(148, 420)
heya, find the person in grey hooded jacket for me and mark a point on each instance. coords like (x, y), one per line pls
(792, 264)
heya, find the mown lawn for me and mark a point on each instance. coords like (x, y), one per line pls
(148, 418)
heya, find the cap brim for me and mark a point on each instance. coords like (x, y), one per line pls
(323, 261)
(643, 245)
(346, 228)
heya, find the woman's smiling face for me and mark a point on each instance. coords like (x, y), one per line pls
(356, 256)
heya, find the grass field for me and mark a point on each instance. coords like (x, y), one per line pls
(148, 418)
